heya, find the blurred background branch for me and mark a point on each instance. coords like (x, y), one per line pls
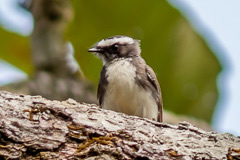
(56, 74)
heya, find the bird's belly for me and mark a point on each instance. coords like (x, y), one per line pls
(123, 94)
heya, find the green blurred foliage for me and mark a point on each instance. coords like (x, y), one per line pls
(16, 50)
(185, 66)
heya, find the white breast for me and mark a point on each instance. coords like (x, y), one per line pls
(123, 94)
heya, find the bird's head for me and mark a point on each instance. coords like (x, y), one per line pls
(116, 47)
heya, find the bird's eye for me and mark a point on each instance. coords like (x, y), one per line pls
(115, 47)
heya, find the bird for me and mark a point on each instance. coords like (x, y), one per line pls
(127, 84)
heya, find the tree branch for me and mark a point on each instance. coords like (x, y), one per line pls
(37, 128)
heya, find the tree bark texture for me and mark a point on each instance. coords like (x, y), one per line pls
(32, 127)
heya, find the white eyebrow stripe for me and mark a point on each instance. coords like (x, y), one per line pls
(119, 40)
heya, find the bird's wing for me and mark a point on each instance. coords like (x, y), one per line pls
(102, 86)
(151, 77)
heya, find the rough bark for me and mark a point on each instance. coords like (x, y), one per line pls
(32, 127)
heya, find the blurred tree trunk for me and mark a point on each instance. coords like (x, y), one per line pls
(51, 18)
(56, 75)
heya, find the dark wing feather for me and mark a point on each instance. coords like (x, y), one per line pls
(102, 86)
(151, 76)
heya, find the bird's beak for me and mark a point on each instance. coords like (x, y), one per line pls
(94, 49)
